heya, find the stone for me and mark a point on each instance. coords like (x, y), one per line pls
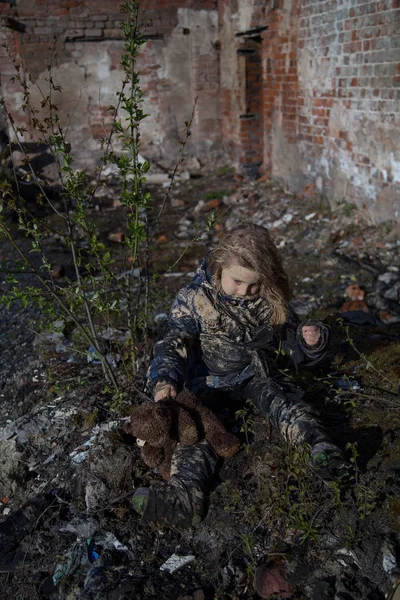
(211, 204)
(117, 237)
(354, 292)
(388, 277)
(177, 203)
(393, 292)
(57, 272)
(389, 562)
(355, 305)
(96, 494)
(270, 579)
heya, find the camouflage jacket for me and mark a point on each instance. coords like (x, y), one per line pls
(225, 340)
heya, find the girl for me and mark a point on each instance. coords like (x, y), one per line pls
(226, 329)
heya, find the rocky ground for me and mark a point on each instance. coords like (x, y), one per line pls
(68, 469)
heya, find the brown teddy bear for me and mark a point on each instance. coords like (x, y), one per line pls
(162, 425)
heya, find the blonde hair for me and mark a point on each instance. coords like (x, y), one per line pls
(251, 246)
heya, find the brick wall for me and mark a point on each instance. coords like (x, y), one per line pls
(349, 101)
(330, 94)
(332, 98)
(307, 91)
(178, 63)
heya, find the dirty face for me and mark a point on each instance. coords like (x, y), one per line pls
(240, 282)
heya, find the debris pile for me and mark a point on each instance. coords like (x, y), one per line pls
(68, 469)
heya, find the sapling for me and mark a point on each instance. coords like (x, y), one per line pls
(96, 297)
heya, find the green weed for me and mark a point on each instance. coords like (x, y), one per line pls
(217, 194)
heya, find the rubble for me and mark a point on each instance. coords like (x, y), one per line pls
(175, 562)
(67, 470)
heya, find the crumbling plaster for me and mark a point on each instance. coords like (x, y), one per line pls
(172, 84)
(87, 82)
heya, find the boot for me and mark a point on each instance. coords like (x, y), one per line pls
(329, 464)
(180, 501)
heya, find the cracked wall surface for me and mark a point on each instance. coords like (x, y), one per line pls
(178, 65)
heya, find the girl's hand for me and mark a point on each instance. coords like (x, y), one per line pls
(165, 390)
(311, 334)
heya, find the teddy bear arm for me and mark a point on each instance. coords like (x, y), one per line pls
(224, 443)
(165, 469)
(187, 430)
(152, 456)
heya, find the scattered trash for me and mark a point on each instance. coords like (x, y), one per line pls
(71, 561)
(287, 217)
(73, 359)
(82, 528)
(95, 494)
(284, 220)
(177, 203)
(113, 359)
(174, 274)
(350, 554)
(95, 582)
(175, 562)
(38, 444)
(347, 384)
(310, 216)
(389, 562)
(92, 356)
(80, 454)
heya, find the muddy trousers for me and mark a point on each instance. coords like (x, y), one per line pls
(180, 501)
(287, 412)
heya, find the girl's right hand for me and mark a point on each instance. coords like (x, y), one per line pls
(165, 391)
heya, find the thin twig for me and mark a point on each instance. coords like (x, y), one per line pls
(195, 239)
(174, 172)
(367, 397)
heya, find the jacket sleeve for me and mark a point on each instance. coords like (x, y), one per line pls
(295, 345)
(171, 354)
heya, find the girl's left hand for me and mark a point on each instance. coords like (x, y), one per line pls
(311, 334)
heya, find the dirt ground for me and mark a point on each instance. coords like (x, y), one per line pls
(67, 528)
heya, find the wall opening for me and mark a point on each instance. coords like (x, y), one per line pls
(249, 63)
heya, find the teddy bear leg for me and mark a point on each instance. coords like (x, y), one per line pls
(180, 501)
